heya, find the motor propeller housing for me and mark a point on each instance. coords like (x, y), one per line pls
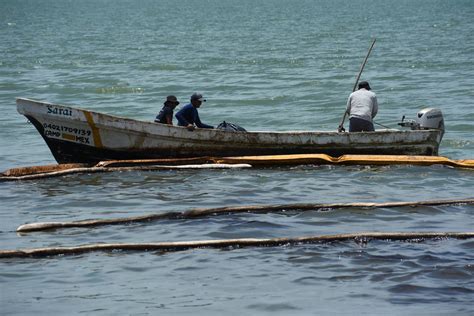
(429, 118)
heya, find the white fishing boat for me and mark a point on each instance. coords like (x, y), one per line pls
(83, 136)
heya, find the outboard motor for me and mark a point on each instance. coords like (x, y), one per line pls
(430, 119)
(425, 119)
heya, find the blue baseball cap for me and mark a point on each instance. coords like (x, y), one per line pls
(198, 97)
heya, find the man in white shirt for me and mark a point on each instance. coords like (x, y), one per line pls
(362, 106)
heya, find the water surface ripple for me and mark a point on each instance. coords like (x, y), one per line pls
(266, 65)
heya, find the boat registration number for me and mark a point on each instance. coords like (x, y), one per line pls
(68, 133)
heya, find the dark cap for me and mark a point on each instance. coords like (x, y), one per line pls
(171, 99)
(197, 96)
(364, 85)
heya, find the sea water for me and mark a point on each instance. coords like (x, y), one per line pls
(265, 65)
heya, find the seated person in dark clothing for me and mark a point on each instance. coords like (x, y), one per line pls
(188, 116)
(166, 114)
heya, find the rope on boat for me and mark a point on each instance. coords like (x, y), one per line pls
(202, 212)
(231, 243)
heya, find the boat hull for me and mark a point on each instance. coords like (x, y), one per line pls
(77, 135)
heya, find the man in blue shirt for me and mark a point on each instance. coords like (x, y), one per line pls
(188, 116)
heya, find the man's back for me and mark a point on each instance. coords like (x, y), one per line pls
(362, 104)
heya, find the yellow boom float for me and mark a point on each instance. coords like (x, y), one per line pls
(36, 172)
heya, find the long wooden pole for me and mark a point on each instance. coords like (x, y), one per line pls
(227, 243)
(341, 125)
(203, 212)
